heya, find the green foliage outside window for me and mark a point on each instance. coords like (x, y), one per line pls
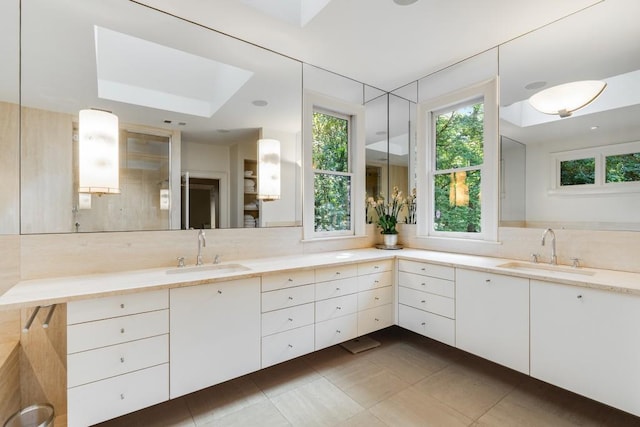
(578, 172)
(332, 185)
(459, 144)
(623, 168)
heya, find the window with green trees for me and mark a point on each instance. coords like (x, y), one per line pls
(332, 173)
(459, 156)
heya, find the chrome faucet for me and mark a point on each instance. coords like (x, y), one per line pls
(554, 258)
(202, 242)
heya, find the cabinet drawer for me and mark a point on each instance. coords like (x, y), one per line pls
(288, 297)
(106, 362)
(336, 288)
(337, 272)
(102, 333)
(375, 297)
(102, 400)
(426, 269)
(426, 301)
(336, 307)
(375, 267)
(335, 331)
(287, 318)
(375, 319)
(428, 324)
(272, 282)
(433, 285)
(287, 345)
(376, 280)
(118, 305)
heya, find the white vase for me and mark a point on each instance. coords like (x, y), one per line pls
(390, 239)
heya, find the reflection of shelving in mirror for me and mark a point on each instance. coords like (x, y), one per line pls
(251, 208)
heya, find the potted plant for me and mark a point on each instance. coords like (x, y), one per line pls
(388, 215)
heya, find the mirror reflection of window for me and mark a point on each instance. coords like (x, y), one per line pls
(578, 171)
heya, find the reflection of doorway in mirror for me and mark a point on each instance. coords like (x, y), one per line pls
(200, 209)
(373, 186)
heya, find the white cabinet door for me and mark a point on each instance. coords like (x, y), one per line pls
(492, 317)
(215, 333)
(587, 341)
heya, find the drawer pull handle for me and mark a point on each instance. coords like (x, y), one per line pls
(122, 330)
(338, 273)
(289, 279)
(290, 346)
(291, 298)
(122, 360)
(423, 284)
(423, 323)
(338, 331)
(290, 319)
(579, 297)
(376, 319)
(423, 269)
(219, 292)
(337, 289)
(121, 305)
(376, 281)
(338, 308)
(488, 281)
(423, 301)
(377, 298)
(121, 396)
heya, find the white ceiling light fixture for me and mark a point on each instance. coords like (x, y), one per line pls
(404, 2)
(99, 161)
(297, 12)
(566, 98)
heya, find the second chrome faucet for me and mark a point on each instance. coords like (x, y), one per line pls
(202, 242)
(554, 257)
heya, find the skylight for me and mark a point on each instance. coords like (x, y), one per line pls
(297, 12)
(140, 72)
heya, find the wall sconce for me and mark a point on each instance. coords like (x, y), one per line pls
(566, 98)
(458, 189)
(268, 169)
(98, 152)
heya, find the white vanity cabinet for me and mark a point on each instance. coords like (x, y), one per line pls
(336, 315)
(375, 296)
(288, 316)
(492, 317)
(117, 355)
(426, 297)
(587, 341)
(215, 333)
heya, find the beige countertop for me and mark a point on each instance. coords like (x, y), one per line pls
(58, 290)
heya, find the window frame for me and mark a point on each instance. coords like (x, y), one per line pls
(600, 186)
(489, 170)
(315, 102)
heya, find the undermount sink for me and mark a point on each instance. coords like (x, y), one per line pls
(539, 268)
(213, 268)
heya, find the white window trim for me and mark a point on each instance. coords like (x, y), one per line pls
(599, 187)
(356, 112)
(488, 90)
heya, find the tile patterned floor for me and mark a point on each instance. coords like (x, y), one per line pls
(408, 381)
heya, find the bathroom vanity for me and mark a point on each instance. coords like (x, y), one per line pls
(140, 338)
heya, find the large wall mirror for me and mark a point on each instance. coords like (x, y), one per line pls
(9, 117)
(553, 184)
(191, 103)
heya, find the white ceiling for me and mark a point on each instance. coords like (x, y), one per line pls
(376, 41)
